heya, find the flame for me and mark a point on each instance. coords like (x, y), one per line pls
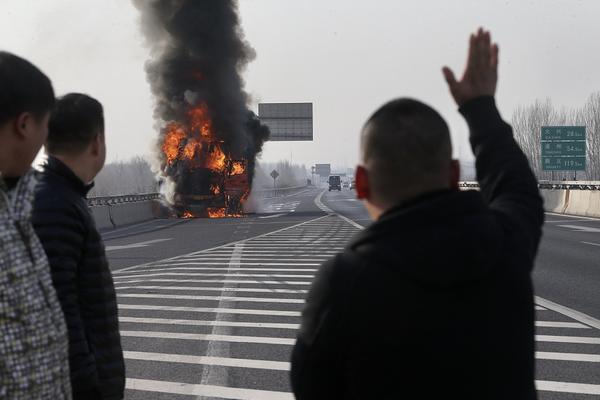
(237, 168)
(175, 133)
(216, 212)
(201, 121)
(215, 189)
(187, 214)
(216, 159)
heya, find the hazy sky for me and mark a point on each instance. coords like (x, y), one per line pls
(348, 57)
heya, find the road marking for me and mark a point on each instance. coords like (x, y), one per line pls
(581, 228)
(212, 289)
(239, 311)
(567, 387)
(221, 392)
(221, 268)
(234, 274)
(567, 339)
(208, 360)
(593, 244)
(136, 245)
(576, 315)
(538, 308)
(556, 324)
(226, 281)
(258, 258)
(542, 355)
(195, 322)
(273, 216)
(210, 298)
(242, 263)
(211, 337)
(323, 207)
(574, 216)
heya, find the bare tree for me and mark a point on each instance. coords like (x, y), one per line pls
(130, 177)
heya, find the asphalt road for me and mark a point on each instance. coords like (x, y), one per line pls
(209, 308)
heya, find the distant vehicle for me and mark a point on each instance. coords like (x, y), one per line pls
(352, 185)
(335, 183)
(345, 185)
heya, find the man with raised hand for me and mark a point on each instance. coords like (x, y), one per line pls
(33, 335)
(434, 299)
(80, 273)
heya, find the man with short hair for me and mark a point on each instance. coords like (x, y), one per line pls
(76, 153)
(33, 335)
(433, 300)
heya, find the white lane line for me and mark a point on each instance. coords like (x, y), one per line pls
(593, 244)
(237, 311)
(225, 281)
(273, 216)
(581, 228)
(195, 322)
(544, 355)
(225, 269)
(221, 392)
(574, 216)
(556, 324)
(207, 360)
(225, 274)
(569, 312)
(209, 298)
(567, 339)
(219, 247)
(199, 336)
(323, 207)
(136, 245)
(538, 308)
(212, 289)
(256, 258)
(241, 263)
(567, 387)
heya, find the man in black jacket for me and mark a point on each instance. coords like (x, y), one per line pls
(80, 273)
(433, 300)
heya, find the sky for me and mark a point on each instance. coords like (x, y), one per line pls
(347, 57)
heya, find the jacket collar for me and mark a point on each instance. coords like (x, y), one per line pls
(56, 167)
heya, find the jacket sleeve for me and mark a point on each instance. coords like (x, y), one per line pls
(507, 183)
(315, 372)
(62, 233)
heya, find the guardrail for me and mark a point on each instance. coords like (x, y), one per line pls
(560, 185)
(277, 192)
(128, 198)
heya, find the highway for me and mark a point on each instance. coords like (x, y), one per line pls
(209, 308)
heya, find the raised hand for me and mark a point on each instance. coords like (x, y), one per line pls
(481, 73)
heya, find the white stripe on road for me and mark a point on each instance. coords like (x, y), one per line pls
(241, 263)
(254, 258)
(218, 289)
(593, 244)
(567, 387)
(205, 360)
(544, 355)
(567, 339)
(199, 336)
(272, 216)
(135, 245)
(221, 268)
(538, 308)
(215, 274)
(210, 298)
(576, 315)
(556, 324)
(240, 311)
(195, 322)
(225, 281)
(220, 392)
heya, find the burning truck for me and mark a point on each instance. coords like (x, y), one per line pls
(208, 139)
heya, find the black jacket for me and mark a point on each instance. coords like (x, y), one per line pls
(83, 281)
(434, 300)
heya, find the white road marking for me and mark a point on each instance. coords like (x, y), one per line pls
(221, 269)
(221, 392)
(557, 324)
(567, 339)
(272, 216)
(593, 244)
(323, 207)
(233, 274)
(574, 216)
(208, 360)
(576, 315)
(543, 355)
(199, 336)
(226, 281)
(242, 263)
(538, 308)
(210, 298)
(581, 228)
(237, 311)
(195, 322)
(218, 289)
(136, 245)
(567, 387)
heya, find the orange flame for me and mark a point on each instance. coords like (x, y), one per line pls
(172, 141)
(216, 212)
(187, 214)
(237, 168)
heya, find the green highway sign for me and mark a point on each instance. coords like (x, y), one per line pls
(563, 148)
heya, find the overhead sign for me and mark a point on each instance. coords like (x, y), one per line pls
(323, 169)
(287, 121)
(563, 148)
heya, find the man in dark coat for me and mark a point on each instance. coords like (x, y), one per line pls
(80, 273)
(434, 299)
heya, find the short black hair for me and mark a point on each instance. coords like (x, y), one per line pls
(74, 123)
(405, 144)
(23, 88)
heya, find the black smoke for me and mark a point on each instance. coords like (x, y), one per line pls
(198, 53)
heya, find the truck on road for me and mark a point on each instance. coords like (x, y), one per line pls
(335, 183)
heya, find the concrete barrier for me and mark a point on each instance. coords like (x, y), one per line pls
(584, 203)
(131, 213)
(555, 200)
(102, 217)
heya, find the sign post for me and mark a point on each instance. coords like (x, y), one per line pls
(274, 175)
(563, 148)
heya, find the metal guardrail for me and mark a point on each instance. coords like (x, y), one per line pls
(571, 185)
(128, 198)
(276, 192)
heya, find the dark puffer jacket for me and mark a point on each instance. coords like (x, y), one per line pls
(83, 282)
(435, 299)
